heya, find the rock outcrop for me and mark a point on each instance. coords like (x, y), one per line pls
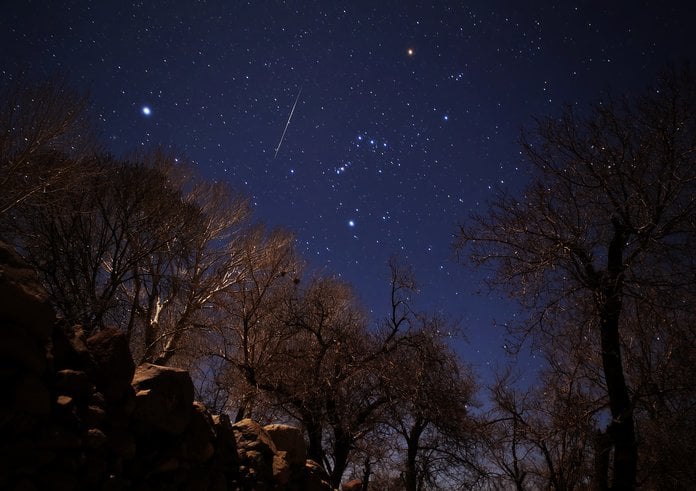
(77, 414)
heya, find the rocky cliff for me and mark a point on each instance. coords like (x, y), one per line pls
(77, 413)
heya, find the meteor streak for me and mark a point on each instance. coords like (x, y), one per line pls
(277, 149)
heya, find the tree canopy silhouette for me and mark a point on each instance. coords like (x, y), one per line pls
(599, 246)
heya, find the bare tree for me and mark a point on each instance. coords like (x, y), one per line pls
(250, 329)
(85, 244)
(504, 439)
(326, 376)
(144, 246)
(45, 132)
(174, 290)
(605, 227)
(429, 392)
(304, 348)
(660, 349)
(541, 437)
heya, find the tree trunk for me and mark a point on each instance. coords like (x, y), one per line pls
(367, 472)
(621, 430)
(413, 444)
(342, 447)
(315, 450)
(602, 450)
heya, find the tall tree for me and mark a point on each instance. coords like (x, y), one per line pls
(429, 390)
(605, 227)
(144, 246)
(250, 330)
(325, 375)
(430, 394)
(305, 348)
(174, 289)
(541, 437)
(45, 131)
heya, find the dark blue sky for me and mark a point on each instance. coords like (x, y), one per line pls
(409, 112)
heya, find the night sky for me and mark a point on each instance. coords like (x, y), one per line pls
(407, 114)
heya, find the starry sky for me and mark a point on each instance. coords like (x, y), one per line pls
(405, 115)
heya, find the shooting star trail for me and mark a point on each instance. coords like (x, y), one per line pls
(287, 124)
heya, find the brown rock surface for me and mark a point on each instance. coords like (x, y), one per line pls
(164, 397)
(114, 367)
(352, 485)
(24, 300)
(289, 440)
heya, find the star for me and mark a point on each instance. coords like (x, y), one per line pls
(351, 223)
(146, 111)
(410, 52)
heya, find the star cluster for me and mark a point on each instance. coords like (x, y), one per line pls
(407, 117)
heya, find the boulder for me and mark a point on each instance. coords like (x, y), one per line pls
(316, 478)
(122, 444)
(164, 398)
(32, 396)
(256, 452)
(22, 350)
(290, 440)
(281, 469)
(94, 438)
(70, 348)
(250, 436)
(113, 364)
(352, 485)
(199, 435)
(26, 320)
(24, 301)
(73, 383)
(94, 415)
(225, 442)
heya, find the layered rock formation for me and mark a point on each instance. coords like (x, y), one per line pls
(77, 414)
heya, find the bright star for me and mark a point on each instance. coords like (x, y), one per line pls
(146, 110)
(410, 52)
(351, 223)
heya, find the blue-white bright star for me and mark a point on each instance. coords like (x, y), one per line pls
(351, 223)
(146, 110)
